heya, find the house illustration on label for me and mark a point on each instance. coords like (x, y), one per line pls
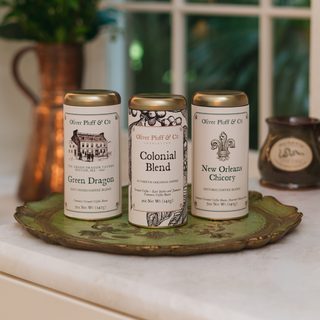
(86, 147)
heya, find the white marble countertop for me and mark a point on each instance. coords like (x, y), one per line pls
(278, 281)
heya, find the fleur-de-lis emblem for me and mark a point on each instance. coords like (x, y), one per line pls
(223, 144)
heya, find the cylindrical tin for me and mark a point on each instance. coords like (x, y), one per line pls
(92, 172)
(158, 140)
(220, 148)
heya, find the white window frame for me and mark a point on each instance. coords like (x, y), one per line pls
(265, 12)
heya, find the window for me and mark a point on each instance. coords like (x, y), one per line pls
(260, 47)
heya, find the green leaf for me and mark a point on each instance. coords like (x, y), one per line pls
(58, 21)
(11, 14)
(81, 30)
(61, 35)
(4, 3)
(74, 4)
(12, 31)
(105, 17)
(92, 33)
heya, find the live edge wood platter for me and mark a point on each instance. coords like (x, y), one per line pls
(267, 222)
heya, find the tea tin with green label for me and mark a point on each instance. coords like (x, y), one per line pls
(92, 124)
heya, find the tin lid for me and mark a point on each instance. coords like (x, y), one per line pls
(92, 98)
(157, 101)
(224, 98)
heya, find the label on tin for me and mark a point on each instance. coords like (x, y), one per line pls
(157, 170)
(157, 191)
(291, 154)
(220, 142)
(92, 188)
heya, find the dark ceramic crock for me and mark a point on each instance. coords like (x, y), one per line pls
(290, 156)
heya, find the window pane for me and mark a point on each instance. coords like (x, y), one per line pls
(223, 55)
(292, 3)
(149, 39)
(291, 67)
(239, 2)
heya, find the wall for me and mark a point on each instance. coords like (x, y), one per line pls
(16, 110)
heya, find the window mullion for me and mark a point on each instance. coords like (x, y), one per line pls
(178, 48)
(265, 68)
(314, 100)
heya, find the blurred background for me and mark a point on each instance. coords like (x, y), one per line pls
(222, 53)
(134, 54)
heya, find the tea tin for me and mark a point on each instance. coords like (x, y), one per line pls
(92, 172)
(220, 148)
(158, 140)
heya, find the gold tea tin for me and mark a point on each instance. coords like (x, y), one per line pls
(158, 140)
(220, 149)
(92, 172)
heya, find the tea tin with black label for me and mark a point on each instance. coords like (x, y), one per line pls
(158, 133)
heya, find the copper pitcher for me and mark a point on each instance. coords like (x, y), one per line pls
(60, 71)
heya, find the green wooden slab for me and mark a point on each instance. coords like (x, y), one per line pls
(267, 222)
